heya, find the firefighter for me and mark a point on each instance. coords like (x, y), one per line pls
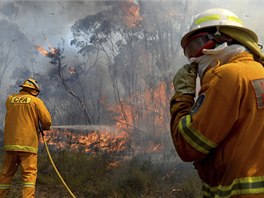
(221, 129)
(25, 112)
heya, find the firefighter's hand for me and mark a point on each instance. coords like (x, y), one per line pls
(184, 81)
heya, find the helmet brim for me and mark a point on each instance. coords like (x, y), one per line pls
(27, 87)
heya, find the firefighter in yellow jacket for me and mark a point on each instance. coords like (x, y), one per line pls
(222, 130)
(25, 112)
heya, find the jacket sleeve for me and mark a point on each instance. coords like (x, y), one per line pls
(180, 107)
(197, 130)
(43, 115)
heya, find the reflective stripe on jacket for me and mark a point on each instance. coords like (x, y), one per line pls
(223, 131)
(24, 112)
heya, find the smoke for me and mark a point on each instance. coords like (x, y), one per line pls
(47, 20)
(86, 127)
(25, 24)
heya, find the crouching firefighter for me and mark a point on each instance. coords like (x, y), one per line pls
(24, 112)
(223, 131)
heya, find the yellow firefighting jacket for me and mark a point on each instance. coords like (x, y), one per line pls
(223, 132)
(24, 113)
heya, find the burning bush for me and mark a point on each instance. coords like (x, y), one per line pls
(94, 141)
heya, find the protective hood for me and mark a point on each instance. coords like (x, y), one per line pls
(30, 91)
(246, 40)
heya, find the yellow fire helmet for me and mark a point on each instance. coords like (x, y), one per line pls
(216, 17)
(31, 83)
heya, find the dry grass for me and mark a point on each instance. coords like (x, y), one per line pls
(91, 176)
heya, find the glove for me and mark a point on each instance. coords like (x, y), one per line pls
(184, 81)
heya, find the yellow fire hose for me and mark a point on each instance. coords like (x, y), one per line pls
(55, 168)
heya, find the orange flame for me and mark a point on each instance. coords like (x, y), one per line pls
(132, 16)
(150, 107)
(53, 51)
(93, 141)
(127, 111)
(118, 138)
(42, 50)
